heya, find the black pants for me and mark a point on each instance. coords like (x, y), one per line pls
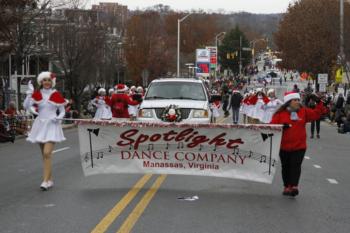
(291, 166)
(318, 123)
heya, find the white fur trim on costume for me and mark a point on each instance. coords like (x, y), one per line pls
(291, 96)
(270, 91)
(101, 90)
(46, 74)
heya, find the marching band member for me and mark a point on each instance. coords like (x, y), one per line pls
(293, 116)
(271, 106)
(46, 129)
(101, 102)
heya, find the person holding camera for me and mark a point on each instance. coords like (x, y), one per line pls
(293, 116)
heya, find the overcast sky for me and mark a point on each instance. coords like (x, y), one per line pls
(253, 6)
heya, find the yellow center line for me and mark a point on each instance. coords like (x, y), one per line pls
(141, 206)
(103, 225)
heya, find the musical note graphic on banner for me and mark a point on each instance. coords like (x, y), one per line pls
(200, 147)
(100, 155)
(180, 145)
(273, 162)
(86, 158)
(110, 149)
(151, 146)
(235, 151)
(250, 154)
(167, 146)
(263, 159)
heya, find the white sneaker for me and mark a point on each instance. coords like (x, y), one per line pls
(44, 186)
(49, 184)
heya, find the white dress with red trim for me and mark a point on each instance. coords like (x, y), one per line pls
(215, 106)
(103, 111)
(47, 126)
(270, 108)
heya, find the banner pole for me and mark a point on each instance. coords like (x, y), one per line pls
(91, 156)
(270, 162)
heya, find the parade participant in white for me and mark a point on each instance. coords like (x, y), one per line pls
(102, 104)
(215, 106)
(271, 107)
(259, 100)
(47, 129)
(132, 109)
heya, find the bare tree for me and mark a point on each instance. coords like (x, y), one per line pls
(78, 50)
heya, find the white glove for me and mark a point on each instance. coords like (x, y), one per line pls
(30, 90)
(33, 111)
(56, 120)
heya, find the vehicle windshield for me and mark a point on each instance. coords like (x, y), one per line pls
(176, 90)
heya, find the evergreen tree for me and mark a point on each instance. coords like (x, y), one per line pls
(229, 51)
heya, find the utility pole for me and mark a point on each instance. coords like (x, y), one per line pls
(178, 44)
(342, 56)
(240, 55)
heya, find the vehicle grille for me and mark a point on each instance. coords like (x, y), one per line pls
(185, 112)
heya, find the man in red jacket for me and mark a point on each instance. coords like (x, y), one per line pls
(120, 102)
(293, 116)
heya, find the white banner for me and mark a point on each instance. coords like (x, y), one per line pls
(247, 152)
(203, 55)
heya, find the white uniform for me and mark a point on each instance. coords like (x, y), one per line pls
(47, 126)
(270, 108)
(258, 109)
(103, 111)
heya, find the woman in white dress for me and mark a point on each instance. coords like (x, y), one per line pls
(46, 129)
(102, 102)
(271, 107)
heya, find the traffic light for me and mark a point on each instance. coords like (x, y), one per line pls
(232, 55)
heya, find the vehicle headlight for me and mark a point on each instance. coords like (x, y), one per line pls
(146, 113)
(200, 114)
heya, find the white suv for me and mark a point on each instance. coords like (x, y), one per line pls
(189, 95)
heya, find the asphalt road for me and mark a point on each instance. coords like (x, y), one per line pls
(112, 203)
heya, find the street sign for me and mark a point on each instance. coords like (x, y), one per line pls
(202, 55)
(213, 56)
(323, 87)
(322, 78)
(246, 49)
(203, 69)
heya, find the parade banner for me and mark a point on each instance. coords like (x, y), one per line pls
(247, 152)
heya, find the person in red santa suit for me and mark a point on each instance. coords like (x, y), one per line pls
(293, 116)
(47, 128)
(120, 102)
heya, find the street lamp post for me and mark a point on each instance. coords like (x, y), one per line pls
(253, 42)
(178, 43)
(217, 51)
